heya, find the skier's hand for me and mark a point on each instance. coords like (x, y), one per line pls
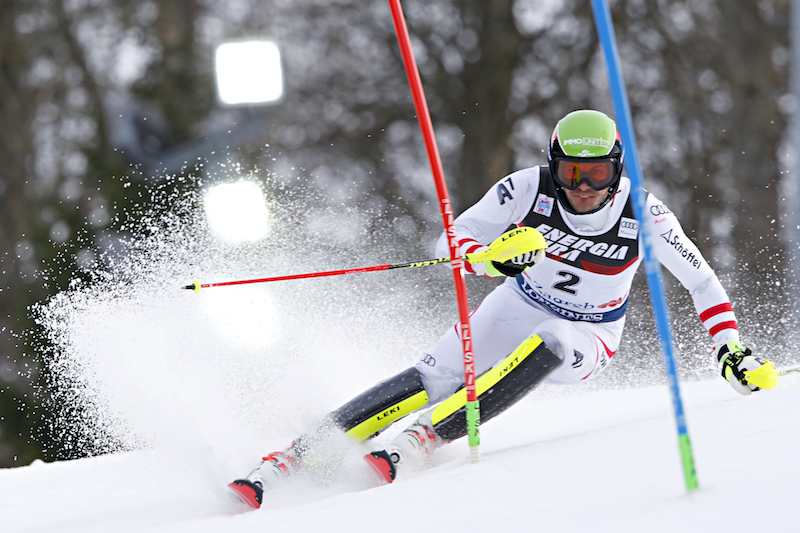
(509, 254)
(516, 265)
(744, 371)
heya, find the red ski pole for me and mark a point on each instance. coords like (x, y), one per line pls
(510, 244)
(196, 285)
(426, 125)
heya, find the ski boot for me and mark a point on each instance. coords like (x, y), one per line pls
(416, 443)
(273, 470)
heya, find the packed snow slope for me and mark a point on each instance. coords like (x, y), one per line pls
(561, 460)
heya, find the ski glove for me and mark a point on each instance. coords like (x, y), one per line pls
(514, 266)
(742, 369)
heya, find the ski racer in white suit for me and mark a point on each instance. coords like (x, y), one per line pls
(576, 298)
(560, 321)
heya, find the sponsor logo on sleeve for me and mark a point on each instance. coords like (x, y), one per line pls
(628, 228)
(658, 210)
(674, 240)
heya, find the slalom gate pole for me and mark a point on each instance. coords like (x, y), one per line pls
(423, 115)
(605, 30)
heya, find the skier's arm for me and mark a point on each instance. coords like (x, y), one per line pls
(683, 259)
(504, 205)
(680, 255)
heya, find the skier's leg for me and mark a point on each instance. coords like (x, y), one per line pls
(586, 348)
(361, 418)
(501, 322)
(499, 325)
(369, 413)
(560, 351)
(498, 389)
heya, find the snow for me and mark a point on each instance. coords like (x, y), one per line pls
(563, 459)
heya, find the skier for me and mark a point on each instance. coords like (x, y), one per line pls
(559, 322)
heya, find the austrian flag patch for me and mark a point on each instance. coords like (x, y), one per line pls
(544, 205)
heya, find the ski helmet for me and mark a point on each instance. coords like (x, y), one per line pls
(581, 137)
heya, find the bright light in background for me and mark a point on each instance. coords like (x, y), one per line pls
(249, 72)
(237, 211)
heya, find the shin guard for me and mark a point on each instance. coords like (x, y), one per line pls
(369, 413)
(498, 389)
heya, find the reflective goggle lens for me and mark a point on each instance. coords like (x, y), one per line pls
(599, 174)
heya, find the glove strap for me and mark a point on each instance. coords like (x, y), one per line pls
(730, 355)
(728, 349)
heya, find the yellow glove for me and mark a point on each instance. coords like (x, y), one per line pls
(745, 372)
(510, 254)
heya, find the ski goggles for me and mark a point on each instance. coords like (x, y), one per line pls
(597, 173)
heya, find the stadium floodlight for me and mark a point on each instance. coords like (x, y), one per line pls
(237, 211)
(249, 72)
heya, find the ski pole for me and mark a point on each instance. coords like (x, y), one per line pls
(510, 244)
(196, 285)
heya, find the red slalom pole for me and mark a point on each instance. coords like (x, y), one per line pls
(426, 125)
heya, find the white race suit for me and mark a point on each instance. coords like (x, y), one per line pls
(576, 299)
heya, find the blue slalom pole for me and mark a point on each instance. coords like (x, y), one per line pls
(605, 30)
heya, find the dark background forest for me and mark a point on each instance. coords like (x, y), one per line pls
(94, 91)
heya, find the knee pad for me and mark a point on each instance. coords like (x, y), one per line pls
(498, 389)
(390, 400)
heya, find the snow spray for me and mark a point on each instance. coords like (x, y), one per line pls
(231, 374)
